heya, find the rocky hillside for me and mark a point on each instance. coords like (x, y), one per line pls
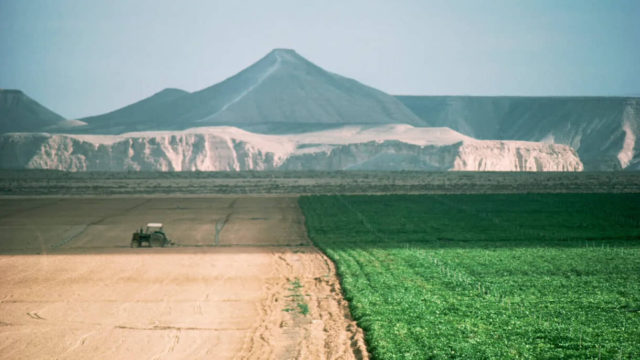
(603, 130)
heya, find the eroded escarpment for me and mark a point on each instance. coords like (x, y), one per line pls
(385, 147)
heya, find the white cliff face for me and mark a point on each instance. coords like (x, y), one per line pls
(387, 147)
(516, 156)
(631, 128)
(157, 152)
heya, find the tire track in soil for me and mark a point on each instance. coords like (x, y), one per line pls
(36, 207)
(221, 223)
(80, 229)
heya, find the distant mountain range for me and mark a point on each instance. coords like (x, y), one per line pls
(281, 92)
(356, 126)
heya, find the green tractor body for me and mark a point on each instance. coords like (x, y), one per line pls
(152, 235)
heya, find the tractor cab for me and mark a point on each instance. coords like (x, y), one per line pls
(154, 227)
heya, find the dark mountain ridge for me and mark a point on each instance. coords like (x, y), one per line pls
(597, 127)
(20, 113)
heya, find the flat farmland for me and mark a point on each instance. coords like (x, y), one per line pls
(475, 266)
(44, 225)
(172, 184)
(241, 281)
(487, 276)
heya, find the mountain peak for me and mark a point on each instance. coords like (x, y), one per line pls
(284, 51)
(281, 92)
(171, 91)
(288, 55)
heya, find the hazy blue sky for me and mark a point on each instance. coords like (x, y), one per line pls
(87, 57)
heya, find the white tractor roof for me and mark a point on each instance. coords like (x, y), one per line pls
(154, 225)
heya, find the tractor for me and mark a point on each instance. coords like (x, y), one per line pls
(152, 235)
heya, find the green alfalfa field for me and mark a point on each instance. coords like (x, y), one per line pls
(487, 276)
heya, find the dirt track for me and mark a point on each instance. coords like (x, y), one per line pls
(236, 287)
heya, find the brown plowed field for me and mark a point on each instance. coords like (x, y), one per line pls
(243, 282)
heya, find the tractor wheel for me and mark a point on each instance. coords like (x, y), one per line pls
(135, 244)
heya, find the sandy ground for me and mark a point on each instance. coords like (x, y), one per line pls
(243, 282)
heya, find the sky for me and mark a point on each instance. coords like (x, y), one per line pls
(82, 58)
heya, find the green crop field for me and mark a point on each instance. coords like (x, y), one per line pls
(487, 276)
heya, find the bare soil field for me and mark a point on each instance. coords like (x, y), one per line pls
(56, 183)
(242, 282)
